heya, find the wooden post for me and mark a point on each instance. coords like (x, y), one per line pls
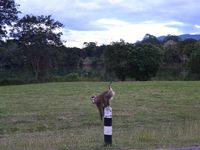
(108, 125)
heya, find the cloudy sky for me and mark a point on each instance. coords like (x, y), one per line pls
(104, 21)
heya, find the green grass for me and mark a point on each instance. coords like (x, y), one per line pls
(60, 116)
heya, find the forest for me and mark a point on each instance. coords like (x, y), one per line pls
(32, 50)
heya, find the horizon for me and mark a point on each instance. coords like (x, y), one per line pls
(104, 21)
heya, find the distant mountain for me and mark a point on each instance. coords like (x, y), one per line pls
(189, 36)
(183, 37)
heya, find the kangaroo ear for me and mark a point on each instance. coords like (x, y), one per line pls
(109, 85)
(93, 99)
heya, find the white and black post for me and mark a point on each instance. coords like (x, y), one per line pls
(108, 125)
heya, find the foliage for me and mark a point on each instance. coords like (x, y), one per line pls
(70, 58)
(171, 38)
(90, 48)
(68, 77)
(38, 31)
(148, 38)
(12, 81)
(172, 54)
(187, 46)
(8, 14)
(37, 47)
(37, 35)
(116, 60)
(140, 61)
(144, 61)
(11, 57)
(194, 63)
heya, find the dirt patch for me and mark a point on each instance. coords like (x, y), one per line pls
(182, 148)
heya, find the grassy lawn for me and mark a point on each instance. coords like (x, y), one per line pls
(60, 116)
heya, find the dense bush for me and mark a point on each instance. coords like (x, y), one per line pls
(194, 63)
(139, 61)
(64, 78)
(11, 82)
(144, 61)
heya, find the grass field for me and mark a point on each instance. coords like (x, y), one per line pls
(60, 116)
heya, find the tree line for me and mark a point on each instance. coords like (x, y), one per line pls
(31, 50)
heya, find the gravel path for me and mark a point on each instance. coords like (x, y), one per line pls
(183, 148)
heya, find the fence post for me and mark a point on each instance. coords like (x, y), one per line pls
(108, 125)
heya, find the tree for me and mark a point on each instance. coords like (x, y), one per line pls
(90, 48)
(10, 56)
(71, 58)
(148, 38)
(194, 63)
(37, 35)
(172, 38)
(187, 46)
(143, 61)
(116, 61)
(171, 53)
(8, 14)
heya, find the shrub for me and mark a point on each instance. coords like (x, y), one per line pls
(11, 82)
(72, 77)
(194, 63)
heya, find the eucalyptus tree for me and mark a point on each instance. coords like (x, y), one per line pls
(116, 59)
(194, 62)
(144, 61)
(8, 15)
(38, 35)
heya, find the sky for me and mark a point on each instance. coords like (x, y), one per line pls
(105, 21)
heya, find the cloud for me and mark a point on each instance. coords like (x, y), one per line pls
(129, 10)
(114, 30)
(176, 23)
(104, 21)
(115, 1)
(197, 26)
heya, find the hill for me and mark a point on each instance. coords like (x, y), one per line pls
(183, 37)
